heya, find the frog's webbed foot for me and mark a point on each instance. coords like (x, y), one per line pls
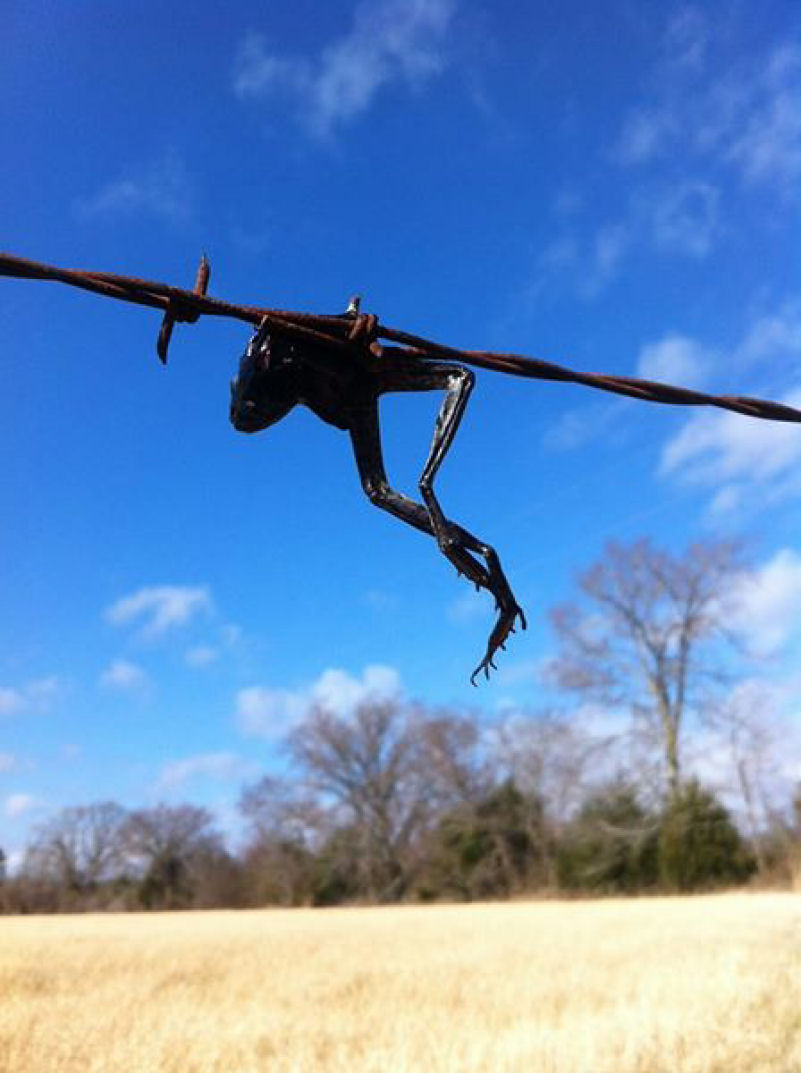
(497, 639)
(457, 546)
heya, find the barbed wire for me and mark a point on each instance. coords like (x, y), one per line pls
(344, 334)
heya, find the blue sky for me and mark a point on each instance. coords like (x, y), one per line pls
(610, 186)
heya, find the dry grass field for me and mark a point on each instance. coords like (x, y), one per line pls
(703, 985)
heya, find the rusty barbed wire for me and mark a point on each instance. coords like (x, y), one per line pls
(337, 332)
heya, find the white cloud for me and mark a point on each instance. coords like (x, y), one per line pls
(686, 39)
(7, 762)
(756, 725)
(744, 462)
(269, 713)
(716, 446)
(160, 608)
(124, 675)
(35, 696)
(748, 118)
(18, 804)
(578, 426)
(644, 133)
(42, 691)
(161, 189)
(675, 359)
(767, 604)
(201, 656)
(231, 634)
(685, 219)
(558, 261)
(14, 861)
(678, 220)
(609, 246)
(707, 126)
(389, 41)
(764, 136)
(222, 766)
(11, 700)
(340, 692)
(381, 600)
(773, 337)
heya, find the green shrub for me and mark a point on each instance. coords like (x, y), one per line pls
(699, 846)
(610, 846)
(488, 849)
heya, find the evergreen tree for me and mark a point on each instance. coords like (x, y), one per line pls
(699, 846)
(610, 846)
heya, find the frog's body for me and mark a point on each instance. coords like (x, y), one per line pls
(276, 373)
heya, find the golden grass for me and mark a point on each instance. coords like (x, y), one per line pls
(703, 985)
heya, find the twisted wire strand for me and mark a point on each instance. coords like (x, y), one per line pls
(335, 332)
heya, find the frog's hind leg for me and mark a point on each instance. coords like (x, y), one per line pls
(459, 546)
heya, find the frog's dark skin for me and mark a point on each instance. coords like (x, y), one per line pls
(277, 372)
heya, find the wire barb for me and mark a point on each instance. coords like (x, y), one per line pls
(335, 332)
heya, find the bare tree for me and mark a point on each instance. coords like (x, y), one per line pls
(452, 759)
(287, 828)
(745, 740)
(366, 766)
(641, 639)
(554, 757)
(79, 847)
(276, 808)
(164, 844)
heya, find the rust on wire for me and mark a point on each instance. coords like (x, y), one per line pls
(341, 334)
(339, 368)
(174, 312)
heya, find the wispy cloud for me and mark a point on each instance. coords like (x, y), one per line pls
(35, 696)
(388, 42)
(678, 219)
(576, 427)
(713, 121)
(18, 804)
(160, 608)
(160, 189)
(767, 604)
(381, 600)
(268, 713)
(762, 137)
(747, 119)
(222, 766)
(123, 675)
(675, 359)
(7, 762)
(201, 656)
(684, 220)
(757, 725)
(263, 712)
(686, 39)
(773, 337)
(740, 459)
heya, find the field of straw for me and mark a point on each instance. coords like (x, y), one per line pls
(698, 985)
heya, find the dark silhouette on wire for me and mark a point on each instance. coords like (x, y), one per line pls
(337, 366)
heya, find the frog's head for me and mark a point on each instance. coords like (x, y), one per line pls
(265, 388)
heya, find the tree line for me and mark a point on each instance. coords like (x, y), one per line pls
(398, 802)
